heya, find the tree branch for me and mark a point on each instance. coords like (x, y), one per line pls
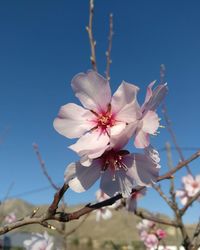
(189, 203)
(156, 219)
(169, 174)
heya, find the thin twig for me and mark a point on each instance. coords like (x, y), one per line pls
(91, 38)
(108, 52)
(78, 226)
(170, 166)
(182, 164)
(43, 167)
(167, 120)
(165, 198)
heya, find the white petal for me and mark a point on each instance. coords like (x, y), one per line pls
(73, 121)
(143, 170)
(150, 122)
(107, 214)
(118, 141)
(156, 98)
(148, 94)
(129, 113)
(70, 172)
(125, 94)
(141, 139)
(93, 90)
(85, 177)
(151, 152)
(91, 144)
(121, 184)
(117, 129)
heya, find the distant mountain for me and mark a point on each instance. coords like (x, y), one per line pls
(120, 228)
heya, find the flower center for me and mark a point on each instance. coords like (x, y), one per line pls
(114, 161)
(195, 184)
(104, 120)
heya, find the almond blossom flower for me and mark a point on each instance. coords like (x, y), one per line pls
(149, 121)
(119, 170)
(101, 116)
(191, 186)
(39, 242)
(103, 212)
(10, 218)
(150, 240)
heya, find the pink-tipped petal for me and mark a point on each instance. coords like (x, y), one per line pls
(92, 90)
(73, 121)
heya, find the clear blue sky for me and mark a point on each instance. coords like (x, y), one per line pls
(43, 44)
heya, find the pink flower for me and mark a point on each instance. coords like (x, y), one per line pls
(101, 118)
(161, 234)
(191, 186)
(149, 121)
(39, 242)
(118, 169)
(131, 201)
(145, 225)
(10, 218)
(151, 241)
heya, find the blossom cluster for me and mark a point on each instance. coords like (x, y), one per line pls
(103, 126)
(191, 186)
(150, 234)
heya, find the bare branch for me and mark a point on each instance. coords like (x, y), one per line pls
(170, 166)
(169, 174)
(91, 38)
(57, 197)
(108, 52)
(156, 219)
(165, 198)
